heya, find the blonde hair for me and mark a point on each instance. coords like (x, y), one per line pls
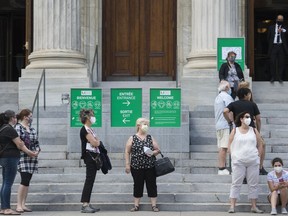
(141, 121)
(244, 84)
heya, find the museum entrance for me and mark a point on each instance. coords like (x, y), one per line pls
(264, 13)
(12, 39)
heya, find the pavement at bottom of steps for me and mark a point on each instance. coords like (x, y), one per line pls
(140, 213)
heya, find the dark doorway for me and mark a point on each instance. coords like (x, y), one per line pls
(139, 40)
(12, 39)
(265, 13)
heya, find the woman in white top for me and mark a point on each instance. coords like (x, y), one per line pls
(245, 146)
(278, 183)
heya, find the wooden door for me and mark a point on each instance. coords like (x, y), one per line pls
(139, 39)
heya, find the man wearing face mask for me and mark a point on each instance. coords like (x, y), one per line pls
(277, 48)
(222, 100)
(231, 72)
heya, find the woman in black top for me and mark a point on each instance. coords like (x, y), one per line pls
(231, 72)
(10, 143)
(90, 150)
(141, 148)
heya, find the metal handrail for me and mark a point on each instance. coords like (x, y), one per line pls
(36, 99)
(95, 59)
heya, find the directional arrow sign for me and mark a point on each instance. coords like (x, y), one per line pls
(126, 107)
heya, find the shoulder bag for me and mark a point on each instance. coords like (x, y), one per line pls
(163, 166)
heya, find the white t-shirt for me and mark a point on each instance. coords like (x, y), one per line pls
(222, 100)
(271, 177)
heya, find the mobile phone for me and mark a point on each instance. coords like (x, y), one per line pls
(281, 180)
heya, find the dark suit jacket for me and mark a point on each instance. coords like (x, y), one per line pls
(271, 35)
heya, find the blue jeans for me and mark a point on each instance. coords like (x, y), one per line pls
(9, 171)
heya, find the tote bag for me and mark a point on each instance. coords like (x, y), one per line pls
(163, 166)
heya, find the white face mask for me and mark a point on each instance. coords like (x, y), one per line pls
(145, 128)
(278, 169)
(92, 120)
(247, 121)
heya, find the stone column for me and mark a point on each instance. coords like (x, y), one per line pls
(57, 35)
(212, 19)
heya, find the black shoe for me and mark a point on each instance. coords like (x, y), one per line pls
(262, 171)
(245, 181)
(272, 80)
(280, 81)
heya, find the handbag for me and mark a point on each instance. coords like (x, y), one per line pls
(97, 159)
(163, 166)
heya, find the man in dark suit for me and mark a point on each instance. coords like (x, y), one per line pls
(277, 48)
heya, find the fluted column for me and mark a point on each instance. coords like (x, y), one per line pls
(57, 35)
(211, 19)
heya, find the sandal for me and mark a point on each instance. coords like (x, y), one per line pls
(135, 208)
(155, 209)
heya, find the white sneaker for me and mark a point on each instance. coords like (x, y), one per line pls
(284, 211)
(223, 172)
(273, 211)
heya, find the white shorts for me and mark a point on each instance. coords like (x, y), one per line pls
(222, 138)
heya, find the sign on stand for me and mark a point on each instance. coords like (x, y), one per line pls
(165, 107)
(86, 99)
(126, 107)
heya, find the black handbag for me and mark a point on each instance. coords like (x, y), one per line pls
(163, 166)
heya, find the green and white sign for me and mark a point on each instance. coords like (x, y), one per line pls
(126, 107)
(165, 107)
(225, 45)
(86, 99)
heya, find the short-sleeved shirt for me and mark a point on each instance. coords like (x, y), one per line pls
(271, 177)
(6, 141)
(84, 141)
(139, 160)
(240, 106)
(222, 100)
(26, 163)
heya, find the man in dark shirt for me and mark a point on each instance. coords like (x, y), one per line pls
(242, 105)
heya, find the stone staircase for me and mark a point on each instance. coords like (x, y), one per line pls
(194, 186)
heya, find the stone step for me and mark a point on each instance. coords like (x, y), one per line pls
(274, 93)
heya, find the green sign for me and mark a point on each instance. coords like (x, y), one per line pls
(225, 45)
(165, 107)
(126, 107)
(86, 99)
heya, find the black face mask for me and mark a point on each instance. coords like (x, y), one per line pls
(279, 22)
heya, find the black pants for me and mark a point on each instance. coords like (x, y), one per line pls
(277, 56)
(144, 175)
(90, 177)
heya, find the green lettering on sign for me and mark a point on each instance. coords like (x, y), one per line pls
(86, 99)
(126, 107)
(165, 107)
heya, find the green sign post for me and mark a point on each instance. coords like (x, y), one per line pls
(165, 107)
(126, 107)
(225, 45)
(86, 99)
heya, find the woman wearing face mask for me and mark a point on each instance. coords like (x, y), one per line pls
(140, 153)
(27, 165)
(231, 72)
(89, 150)
(10, 144)
(245, 146)
(278, 183)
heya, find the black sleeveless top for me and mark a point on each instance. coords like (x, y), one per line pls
(139, 160)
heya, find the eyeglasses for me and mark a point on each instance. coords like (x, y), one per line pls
(247, 116)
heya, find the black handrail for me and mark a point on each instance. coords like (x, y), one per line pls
(36, 99)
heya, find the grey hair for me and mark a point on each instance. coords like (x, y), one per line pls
(223, 85)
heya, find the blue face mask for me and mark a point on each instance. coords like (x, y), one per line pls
(229, 91)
